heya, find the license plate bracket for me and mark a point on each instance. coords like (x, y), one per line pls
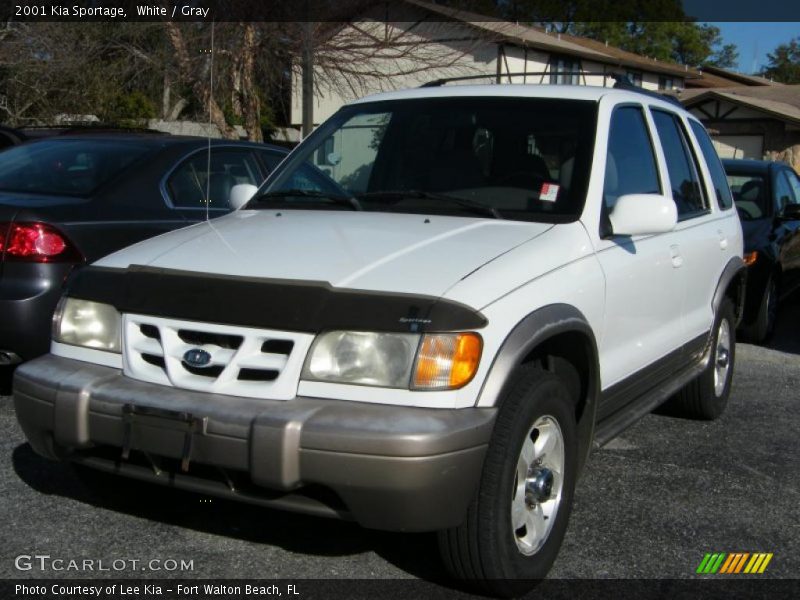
(190, 424)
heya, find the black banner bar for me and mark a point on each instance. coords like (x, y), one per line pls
(438, 11)
(754, 587)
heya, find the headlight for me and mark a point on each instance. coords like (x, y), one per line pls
(361, 357)
(396, 360)
(86, 323)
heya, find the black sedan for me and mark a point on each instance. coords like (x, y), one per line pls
(69, 200)
(767, 196)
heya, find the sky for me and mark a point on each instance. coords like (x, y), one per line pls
(755, 40)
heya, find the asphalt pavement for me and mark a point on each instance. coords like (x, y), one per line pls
(650, 504)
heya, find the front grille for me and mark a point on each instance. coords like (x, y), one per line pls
(241, 361)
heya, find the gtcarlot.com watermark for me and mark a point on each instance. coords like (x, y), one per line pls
(47, 563)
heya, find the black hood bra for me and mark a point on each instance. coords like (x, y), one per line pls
(280, 304)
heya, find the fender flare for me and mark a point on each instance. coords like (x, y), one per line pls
(734, 268)
(536, 328)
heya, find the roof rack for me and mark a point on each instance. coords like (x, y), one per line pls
(621, 81)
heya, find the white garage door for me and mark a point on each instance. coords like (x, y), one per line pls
(739, 146)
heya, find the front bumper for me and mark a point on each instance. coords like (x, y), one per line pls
(387, 467)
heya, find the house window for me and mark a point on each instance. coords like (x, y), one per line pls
(635, 77)
(565, 70)
(666, 83)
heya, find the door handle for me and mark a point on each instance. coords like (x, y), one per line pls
(675, 253)
(723, 241)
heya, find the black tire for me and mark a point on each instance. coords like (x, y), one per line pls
(702, 399)
(484, 550)
(762, 327)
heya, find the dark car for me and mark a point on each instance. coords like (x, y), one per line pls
(767, 196)
(66, 201)
(10, 137)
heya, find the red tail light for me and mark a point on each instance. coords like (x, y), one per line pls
(35, 242)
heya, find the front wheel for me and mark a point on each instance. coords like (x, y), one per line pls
(518, 517)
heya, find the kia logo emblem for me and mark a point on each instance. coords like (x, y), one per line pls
(197, 358)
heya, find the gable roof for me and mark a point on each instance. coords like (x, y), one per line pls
(780, 101)
(717, 77)
(559, 43)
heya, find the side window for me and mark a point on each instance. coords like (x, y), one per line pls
(718, 178)
(191, 180)
(631, 163)
(681, 166)
(271, 159)
(783, 191)
(794, 182)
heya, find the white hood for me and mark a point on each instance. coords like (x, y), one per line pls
(363, 250)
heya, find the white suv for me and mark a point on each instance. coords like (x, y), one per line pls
(423, 320)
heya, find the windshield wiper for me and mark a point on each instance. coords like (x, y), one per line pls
(349, 201)
(400, 195)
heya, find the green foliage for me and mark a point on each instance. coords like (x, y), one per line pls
(784, 63)
(125, 109)
(726, 57)
(682, 42)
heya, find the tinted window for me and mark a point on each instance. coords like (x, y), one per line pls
(68, 167)
(271, 158)
(718, 178)
(189, 183)
(631, 164)
(794, 182)
(681, 167)
(783, 191)
(527, 158)
(750, 194)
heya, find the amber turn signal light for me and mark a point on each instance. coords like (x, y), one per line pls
(446, 361)
(750, 257)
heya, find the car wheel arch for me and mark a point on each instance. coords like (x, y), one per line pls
(731, 284)
(559, 339)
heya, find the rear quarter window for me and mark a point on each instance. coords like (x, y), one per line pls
(718, 179)
(66, 167)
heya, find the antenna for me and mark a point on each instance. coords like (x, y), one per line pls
(210, 122)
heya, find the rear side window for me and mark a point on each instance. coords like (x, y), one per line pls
(271, 158)
(192, 181)
(66, 167)
(682, 169)
(630, 164)
(724, 199)
(751, 195)
(784, 195)
(794, 183)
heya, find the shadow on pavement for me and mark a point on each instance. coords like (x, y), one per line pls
(415, 554)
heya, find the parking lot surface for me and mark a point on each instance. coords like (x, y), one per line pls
(650, 504)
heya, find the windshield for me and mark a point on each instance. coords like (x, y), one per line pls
(505, 158)
(65, 167)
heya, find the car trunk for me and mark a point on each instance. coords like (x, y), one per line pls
(18, 207)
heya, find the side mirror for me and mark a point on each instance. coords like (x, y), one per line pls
(240, 194)
(639, 214)
(790, 212)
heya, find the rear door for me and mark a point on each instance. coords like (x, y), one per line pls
(708, 232)
(643, 332)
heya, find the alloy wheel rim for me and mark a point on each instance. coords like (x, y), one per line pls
(538, 485)
(722, 357)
